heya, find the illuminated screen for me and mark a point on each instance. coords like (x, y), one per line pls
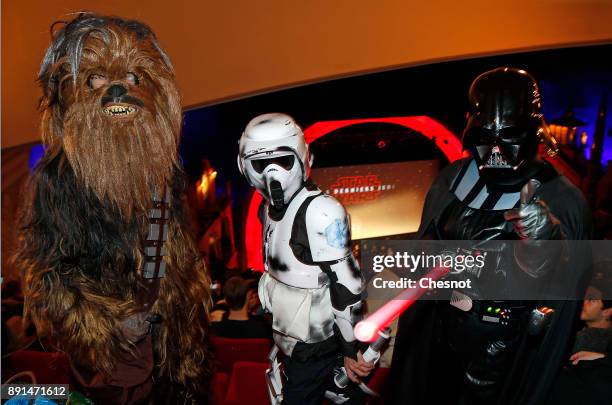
(381, 199)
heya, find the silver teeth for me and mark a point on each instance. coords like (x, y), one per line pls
(115, 110)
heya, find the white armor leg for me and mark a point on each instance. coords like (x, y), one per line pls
(273, 378)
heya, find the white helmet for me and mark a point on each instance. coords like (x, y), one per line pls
(274, 157)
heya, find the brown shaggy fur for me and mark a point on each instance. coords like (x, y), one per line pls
(87, 210)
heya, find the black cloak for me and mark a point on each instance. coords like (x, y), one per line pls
(416, 379)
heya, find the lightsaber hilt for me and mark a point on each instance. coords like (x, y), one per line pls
(371, 355)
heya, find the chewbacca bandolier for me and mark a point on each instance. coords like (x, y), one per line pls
(111, 274)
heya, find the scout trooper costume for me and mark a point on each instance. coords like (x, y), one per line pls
(311, 285)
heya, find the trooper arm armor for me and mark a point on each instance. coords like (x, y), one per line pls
(328, 229)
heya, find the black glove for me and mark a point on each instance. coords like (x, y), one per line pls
(536, 226)
(533, 219)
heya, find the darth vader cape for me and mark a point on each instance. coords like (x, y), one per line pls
(416, 378)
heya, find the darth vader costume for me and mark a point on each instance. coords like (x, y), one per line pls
(444, 354)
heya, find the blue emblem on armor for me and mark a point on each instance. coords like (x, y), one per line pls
(336, 234)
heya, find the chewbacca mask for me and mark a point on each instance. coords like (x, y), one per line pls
(111, 275)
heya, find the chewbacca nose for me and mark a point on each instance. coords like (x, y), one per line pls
(116, 91)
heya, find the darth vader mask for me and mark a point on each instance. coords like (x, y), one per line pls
(506, 126)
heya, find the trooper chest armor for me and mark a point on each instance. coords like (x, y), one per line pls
(308, 262)
(291, 253)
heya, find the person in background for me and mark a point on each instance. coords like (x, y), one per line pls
(220, 307)
(593, 341)
(254, 303)
(588, 378)
(237, 322)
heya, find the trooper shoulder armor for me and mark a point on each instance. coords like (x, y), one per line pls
(328, 229)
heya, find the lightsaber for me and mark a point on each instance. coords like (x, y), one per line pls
(367, 330)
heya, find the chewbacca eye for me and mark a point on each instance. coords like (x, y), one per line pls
(132, 78)
(96, 81)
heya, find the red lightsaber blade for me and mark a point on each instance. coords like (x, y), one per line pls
(366, 330)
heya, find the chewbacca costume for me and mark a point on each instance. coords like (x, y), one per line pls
(110, 272)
